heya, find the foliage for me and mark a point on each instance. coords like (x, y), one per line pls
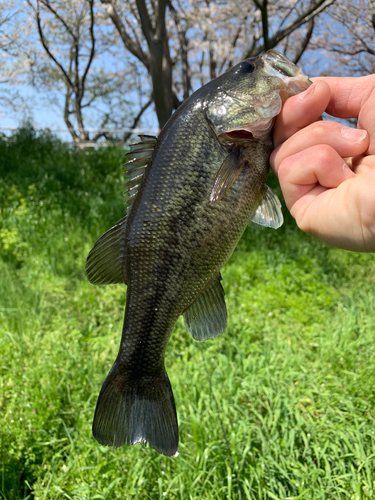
(78, 65)
(293, 375)
(350, 31)
(14, 57)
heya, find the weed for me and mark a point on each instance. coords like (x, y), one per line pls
(293, 374)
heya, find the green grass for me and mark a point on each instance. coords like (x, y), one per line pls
(293, 375)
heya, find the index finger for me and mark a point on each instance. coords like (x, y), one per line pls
(348, 94)
(301, 110)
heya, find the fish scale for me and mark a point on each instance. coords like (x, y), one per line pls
(202, 183)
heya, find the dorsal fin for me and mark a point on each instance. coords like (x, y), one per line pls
(105, 261)
(148, 138)
(139, 157)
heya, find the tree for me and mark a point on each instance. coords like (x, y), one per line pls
(183, 43)
(76, 61)
(13, 57)
(350, 31)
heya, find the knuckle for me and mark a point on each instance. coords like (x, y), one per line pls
(323, 130)
(285, 168)
(322, 154)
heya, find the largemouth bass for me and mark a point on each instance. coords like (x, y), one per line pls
(192, 192)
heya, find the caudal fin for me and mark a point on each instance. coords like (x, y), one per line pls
(132, 411)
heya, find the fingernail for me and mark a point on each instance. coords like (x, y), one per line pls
(307, 92)
(353, 134)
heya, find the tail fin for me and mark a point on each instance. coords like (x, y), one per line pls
(131, 411)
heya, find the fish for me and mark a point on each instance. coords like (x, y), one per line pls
(191, 194)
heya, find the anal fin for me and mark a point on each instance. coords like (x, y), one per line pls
(207, 317)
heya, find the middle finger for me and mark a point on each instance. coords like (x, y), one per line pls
(345, 140)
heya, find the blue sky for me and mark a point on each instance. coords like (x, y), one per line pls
(44, 116)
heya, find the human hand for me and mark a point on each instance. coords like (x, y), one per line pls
(326, 170)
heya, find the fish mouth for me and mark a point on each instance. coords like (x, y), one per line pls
(259, 130)
(239, 135)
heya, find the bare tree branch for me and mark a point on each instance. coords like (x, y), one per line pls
(315, 9)
(233, 44)
(134, 48)
(67, 114)
(137, 118)
(184, 44)
(160, 31)
(146, 25)
(312, 12)
(92, 51)
(305, 42)
(160, 68)
(102, 133)
(348, 52)
(287, 15)
(44, 43)
(48, 6)
(264, 13)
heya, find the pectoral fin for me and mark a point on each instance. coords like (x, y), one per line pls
(269, 212)
(104, 263)
(230, 169)
(207, 317)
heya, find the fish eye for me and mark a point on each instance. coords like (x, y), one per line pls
(246, 67)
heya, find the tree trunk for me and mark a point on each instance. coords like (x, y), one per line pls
(161, 76)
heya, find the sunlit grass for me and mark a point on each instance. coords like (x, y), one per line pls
(293, 375)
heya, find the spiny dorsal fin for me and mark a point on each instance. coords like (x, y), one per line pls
(139, 156)
(148, 138)
(228, 172)
(269, 212)
(104, 263)
(207, 317)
